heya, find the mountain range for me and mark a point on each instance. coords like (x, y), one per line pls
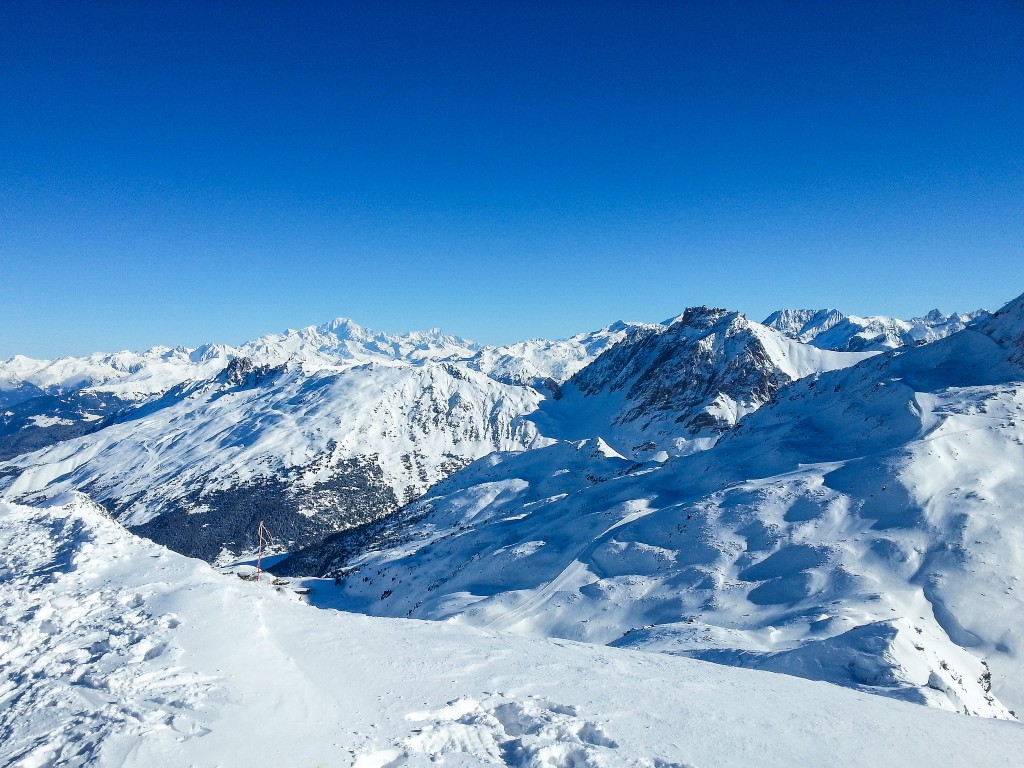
(822, 495)
(330, 426)
(861, 527)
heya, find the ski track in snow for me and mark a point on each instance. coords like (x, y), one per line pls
(569, 576)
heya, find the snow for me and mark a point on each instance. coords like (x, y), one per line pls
(48, 421)
(216, 436)
(707, 490)
(117, 652)
(831, 329)
(867, 519)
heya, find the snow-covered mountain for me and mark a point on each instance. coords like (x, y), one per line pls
(330, 426)
(137, 375)
(118, 652)
(308, 452)
(43, 402)
(545, 364)
(675, 388)
(863, 527)
(831, 329)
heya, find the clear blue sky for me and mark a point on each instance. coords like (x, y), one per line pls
(176, 172)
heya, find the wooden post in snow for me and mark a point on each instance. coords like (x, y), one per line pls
(264, 537)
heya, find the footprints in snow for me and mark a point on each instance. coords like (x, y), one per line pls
(505, 731)
(81, 657)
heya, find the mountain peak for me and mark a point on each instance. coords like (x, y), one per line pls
(701, 316)
(341, 325)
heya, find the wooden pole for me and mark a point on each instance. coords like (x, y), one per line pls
(260, 532)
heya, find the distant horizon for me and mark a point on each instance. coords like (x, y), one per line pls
(178, 173)
(471, 339)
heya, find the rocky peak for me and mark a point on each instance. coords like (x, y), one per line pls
(243, 373)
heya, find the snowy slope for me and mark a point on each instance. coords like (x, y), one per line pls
(675, 388)
(831, 329)
(864, 528)
(307, 452)
(117, 652)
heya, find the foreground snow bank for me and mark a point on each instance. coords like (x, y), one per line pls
(115, 651)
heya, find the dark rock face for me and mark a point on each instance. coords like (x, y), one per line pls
(682, 370)
(243, 373)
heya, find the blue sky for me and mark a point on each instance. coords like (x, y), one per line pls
(186, 172)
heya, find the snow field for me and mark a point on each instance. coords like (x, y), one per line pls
(117, 652)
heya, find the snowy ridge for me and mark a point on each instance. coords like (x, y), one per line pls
(136, 375)
(831, 329)
(43, 402)
(342, 341)
(545, 364)
(118, 652)
(861, 528)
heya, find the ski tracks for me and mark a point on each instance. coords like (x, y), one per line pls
(570, 573)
